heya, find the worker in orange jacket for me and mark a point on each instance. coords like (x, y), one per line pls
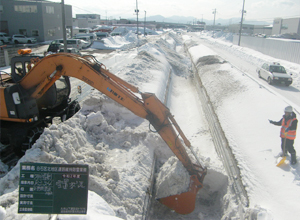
(288, 131)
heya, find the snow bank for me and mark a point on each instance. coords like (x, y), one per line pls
(116, 144)
(98, 208)
(125, 41)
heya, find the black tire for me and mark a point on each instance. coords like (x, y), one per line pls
(16, 42)
(270, 81)
(73, 109)
(32, 136)
(29, 41)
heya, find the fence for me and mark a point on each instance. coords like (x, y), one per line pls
(279, 48)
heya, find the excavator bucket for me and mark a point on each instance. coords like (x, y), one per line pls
(184, 203)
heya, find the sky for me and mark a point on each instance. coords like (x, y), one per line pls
(262, 10)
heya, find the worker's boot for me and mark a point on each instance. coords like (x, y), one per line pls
(294, 160)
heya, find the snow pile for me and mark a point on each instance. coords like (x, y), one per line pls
(124, 41)
(116, 144)
(98, 208)
(172, 179)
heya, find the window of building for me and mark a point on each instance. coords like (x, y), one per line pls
(23, 31)
(51, 32)
(35, 33)
(1, 8)
(49, 9)
(26, 8)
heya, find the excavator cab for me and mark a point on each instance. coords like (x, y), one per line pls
(23, 117)
(22, 64)
(57, 94)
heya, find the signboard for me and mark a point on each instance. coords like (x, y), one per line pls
(53, 188)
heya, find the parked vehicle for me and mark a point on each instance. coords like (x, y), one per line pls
(22, 39)
(101, 35)
(274, 73)
(80, 31)
(54, 47)
(85, 40)
(4, 38)
(92, 36)
(70, 50)
(76, 43)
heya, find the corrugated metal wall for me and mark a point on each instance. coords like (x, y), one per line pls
(279, 48)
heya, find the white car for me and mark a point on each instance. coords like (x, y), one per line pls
(85, 40)
(4, 38)
(76, 43)
(70, 50)
(274, 73)
(22, 39)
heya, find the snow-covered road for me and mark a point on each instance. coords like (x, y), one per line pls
(249, 62)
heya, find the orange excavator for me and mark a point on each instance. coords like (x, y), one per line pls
(31, 94)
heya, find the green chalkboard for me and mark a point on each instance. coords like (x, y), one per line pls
(53, 188)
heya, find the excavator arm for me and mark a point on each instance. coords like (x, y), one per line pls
(145, 105)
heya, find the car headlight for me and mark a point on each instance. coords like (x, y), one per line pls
(289, 79)
(276, 78)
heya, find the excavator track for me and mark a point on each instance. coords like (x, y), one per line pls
(8, 157)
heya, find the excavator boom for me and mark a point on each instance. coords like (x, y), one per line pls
(145, 105)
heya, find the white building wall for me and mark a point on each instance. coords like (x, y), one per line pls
(283, 26)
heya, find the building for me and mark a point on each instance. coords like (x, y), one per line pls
(86, 20)
(40, 19)
(200, 26)
(247, 28)
(263, 29)
(286, 26)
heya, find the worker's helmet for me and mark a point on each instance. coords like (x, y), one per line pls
(288, 109)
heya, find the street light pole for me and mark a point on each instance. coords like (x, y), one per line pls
(241, 27)
(145, 25)
(137, 22)
(64, 24)
(214, 12)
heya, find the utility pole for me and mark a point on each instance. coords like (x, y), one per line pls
(106, 18)
(145, 25)
(137, 22)
(214, 12)
(241, 27)
(64, 25)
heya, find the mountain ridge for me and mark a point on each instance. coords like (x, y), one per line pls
(191, 20)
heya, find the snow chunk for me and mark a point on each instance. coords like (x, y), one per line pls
(172, 179)
(2, 212)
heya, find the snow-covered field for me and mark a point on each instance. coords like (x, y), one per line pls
(119, 147)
